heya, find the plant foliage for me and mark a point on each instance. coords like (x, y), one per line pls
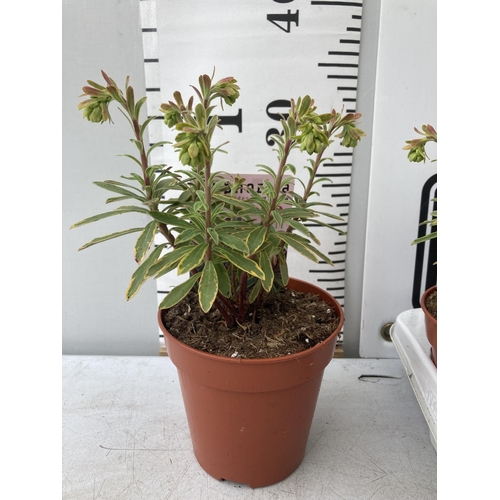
(417, 153)
(234, 251)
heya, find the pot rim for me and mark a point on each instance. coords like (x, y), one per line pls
(422, 304)
(255, 361)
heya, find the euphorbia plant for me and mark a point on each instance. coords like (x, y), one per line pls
(234, 251)
(417, 153)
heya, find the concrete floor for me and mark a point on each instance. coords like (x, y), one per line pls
(125, 436)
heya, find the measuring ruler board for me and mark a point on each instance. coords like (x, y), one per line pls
(276, 50)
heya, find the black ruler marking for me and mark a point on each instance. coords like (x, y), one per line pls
(335, 185)
(337, 65)
(337, 165)
(335, 175)
(326, 270)
(339, 4)
(336, 224)
(342, 53)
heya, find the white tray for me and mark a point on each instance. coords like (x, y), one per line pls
(408, 336)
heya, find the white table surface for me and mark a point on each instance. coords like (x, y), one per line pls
(125, 436)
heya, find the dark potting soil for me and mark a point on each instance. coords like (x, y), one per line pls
(431, 302)
(288, 322)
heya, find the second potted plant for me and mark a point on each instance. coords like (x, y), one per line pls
(249, 342)
(428, 302)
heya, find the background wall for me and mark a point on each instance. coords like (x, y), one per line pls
(396, 91)
(96, 317)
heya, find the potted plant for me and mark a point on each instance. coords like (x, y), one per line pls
(249, 370)
(428, 302)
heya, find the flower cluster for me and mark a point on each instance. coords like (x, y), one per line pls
(350, 133)
(193, 149)
(233, 250)
(316, 129)
(95, 109)
(417, 146)
(417, 153)
(227, 90)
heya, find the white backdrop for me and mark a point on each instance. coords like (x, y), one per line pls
(96, 317)
(404, 96)
(376, 189)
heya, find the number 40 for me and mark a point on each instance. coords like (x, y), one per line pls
(284, 19)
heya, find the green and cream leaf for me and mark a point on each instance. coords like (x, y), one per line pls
(179, 292)
(111, 236)
(208, 286)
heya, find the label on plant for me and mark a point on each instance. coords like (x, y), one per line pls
(256, 182)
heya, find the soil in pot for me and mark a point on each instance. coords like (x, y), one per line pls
(288, 322)
(431, 304)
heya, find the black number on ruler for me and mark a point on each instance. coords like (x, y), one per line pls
(232, 120)
(287, 19)
(279, 103)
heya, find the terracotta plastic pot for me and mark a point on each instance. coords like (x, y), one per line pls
(250, 419)
(430, 324)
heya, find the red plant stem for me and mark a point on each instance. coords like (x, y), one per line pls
(242, 308)
(225, 308)
(313, 174)
(310, 184)
(233, 280)
(144, 159)
(208, 211)
(277, 183)
(258, 302)
(333, 127)
(147, 181)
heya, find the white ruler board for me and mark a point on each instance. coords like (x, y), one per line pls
(399, 192)
(276, 50)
